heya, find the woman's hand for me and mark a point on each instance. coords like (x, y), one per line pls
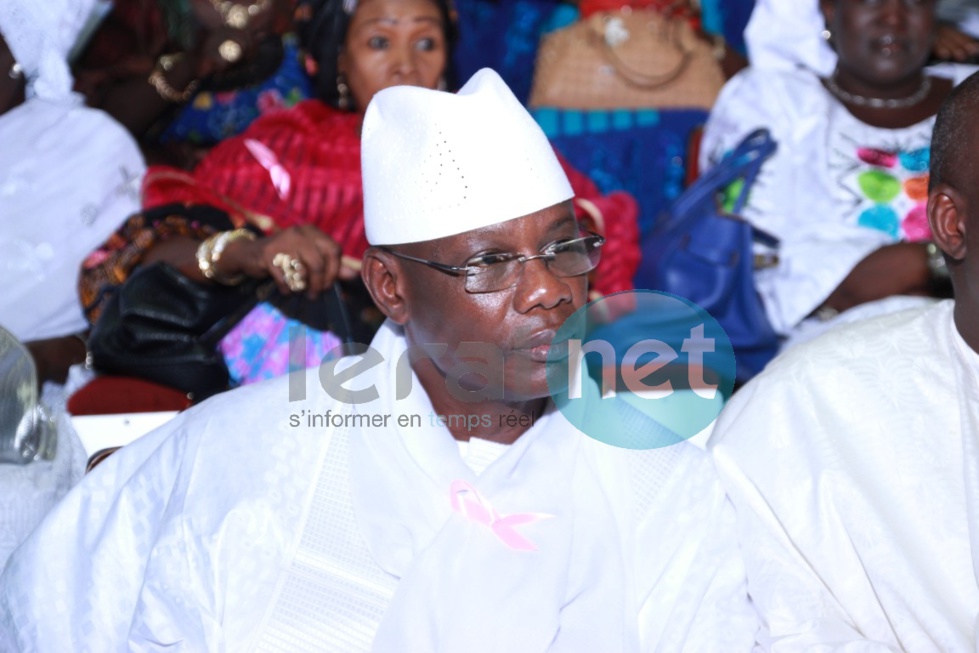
(317, 254)
(898, 269)
(951, 44)
(53, 356)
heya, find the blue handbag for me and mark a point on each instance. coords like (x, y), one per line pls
(698, 251)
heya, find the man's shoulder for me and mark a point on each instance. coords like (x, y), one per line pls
(868, 346)
(875, 368)
(270, 405)
(242, 426)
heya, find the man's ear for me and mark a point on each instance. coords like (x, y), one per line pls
(385, 280)
(947, 209)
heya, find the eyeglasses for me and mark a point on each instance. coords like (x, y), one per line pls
(495, 272)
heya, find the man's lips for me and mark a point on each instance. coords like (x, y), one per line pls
(540, 346)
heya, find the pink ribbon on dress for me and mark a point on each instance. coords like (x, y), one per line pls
(482, 512)
(281, 180)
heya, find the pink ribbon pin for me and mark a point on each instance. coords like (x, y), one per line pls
(281, 180)
(479, 510)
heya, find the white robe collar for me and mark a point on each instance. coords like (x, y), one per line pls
(463, 585)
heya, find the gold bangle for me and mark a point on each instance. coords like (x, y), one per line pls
(209, 253)
(158, 80)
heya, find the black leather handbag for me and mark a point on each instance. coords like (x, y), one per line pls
(164, 327)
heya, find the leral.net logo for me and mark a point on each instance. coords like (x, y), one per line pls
(641, 369)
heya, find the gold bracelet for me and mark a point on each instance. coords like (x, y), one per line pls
(158, 80)
(209, 253)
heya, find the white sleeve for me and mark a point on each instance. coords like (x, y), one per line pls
(758, 466)
(690, 574)
(792, 198)
(73, 584)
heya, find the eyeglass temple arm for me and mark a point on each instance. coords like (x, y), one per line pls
(452, 269)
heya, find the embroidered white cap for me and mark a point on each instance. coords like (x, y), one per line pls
(437, 164)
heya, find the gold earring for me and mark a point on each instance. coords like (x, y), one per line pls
(344, 91)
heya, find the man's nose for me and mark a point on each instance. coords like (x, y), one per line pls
(539, 286)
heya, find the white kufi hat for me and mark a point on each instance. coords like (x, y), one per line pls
(438, 164)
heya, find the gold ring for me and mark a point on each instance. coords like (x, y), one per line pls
(292, 270)
(230, 50)
(295, 283)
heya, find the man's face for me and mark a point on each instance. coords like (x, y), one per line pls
(519, 322)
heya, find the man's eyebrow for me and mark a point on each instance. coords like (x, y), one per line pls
(563, 222)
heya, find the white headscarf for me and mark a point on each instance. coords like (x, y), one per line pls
(785, 34)
(69, 175)
(40, 34)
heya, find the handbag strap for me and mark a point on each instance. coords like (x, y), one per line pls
(750, 155)
(744, 162)
(639, 79)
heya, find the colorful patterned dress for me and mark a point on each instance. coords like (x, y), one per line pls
(835, 190)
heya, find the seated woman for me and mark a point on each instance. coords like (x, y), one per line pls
(182, 76)
(787, 34)
(298, 172)
(846, 190)
(69, 176)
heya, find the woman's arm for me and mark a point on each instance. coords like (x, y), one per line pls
(318, 254)
(53, 356)
(898, 269)
(141, 88)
